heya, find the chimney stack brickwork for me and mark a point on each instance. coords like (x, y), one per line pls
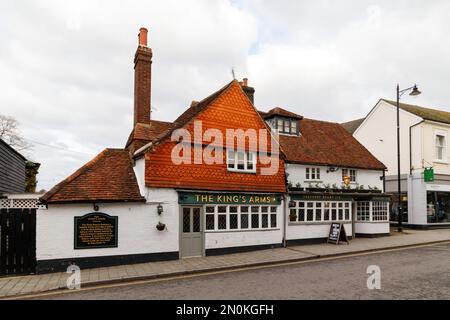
(142, 79)
(249, 91)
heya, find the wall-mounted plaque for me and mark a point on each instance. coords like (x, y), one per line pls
(95, 230)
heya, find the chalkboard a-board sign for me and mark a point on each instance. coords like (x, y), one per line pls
(337, 233)
(95, 230)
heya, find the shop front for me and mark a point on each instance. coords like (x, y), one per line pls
(216, 223)
(310, 215)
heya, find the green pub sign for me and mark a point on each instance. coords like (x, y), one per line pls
(428, 175)
(228, 198)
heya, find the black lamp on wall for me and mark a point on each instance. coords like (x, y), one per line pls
(160, 209)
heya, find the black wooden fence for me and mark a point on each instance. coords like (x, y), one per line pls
(17, 241)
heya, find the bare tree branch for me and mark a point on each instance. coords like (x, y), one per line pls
(10, 133)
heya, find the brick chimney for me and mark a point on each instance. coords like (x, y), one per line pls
(142, 79)
(249, 91)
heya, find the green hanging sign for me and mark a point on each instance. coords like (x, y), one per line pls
(428, 175)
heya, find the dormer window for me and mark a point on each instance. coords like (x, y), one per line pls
(287, 126)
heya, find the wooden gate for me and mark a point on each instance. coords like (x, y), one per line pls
(17, 241)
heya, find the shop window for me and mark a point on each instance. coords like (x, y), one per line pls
(255, 221)
(233, 221)
(244, 221)
(222, 221)
(312, 174)
(235, 217)
(318, 211)
(363, 211)
(242, 161)
(379, 211)
(273, 220)
(438, 207)
(209, 222)
(326, 211)
(292, 215)
(264, 221)
(333, 211)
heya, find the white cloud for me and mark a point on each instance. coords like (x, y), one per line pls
(67, 66)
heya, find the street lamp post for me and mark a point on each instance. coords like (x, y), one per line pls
(414, 92)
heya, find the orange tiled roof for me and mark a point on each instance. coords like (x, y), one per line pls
(327, 143)
(106, 178)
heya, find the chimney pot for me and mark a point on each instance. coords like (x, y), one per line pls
(245, 82)
(143, 37)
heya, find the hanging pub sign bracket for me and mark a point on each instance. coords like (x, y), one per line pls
(337, 234)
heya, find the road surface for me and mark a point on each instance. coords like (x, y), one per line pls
(419, 273)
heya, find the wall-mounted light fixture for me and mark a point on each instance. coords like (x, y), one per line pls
(332, 169)
(160, 209)
(96, 207)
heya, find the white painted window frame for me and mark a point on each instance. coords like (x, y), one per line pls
(443, 134)
(236, 157)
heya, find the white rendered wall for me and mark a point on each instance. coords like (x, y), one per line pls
(417, 199)
(372, 227)
(378, 133)
(312, 231)
(137, 232)
(297, 174)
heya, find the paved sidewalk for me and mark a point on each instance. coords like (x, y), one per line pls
(14, 286)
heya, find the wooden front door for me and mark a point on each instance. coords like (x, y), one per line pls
(191, 232)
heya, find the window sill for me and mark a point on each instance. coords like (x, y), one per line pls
(297, 223)
(241, 230)
(312, 181)
(386, 221)
(440, 161)
(241, 171)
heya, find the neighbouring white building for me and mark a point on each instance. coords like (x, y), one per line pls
(424, 145)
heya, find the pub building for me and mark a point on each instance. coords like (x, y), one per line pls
(137, 204)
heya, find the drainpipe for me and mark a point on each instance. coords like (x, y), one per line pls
(410, 145)
(285, 196)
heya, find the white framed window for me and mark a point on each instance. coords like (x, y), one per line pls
(240, 217)
(241, 161)
(379, 211)
(288, 126)
(312, 174)
(351, 173)
(363, 211)
(320, 211)
(440, 145)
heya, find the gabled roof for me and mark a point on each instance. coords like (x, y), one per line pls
(148, 131)
(351, 126)
(12, 150)
(327, 143)
(279, 112)
(425, 113)
(109, 177)
(187, 116)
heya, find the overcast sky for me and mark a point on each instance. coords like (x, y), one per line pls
(66, 67)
